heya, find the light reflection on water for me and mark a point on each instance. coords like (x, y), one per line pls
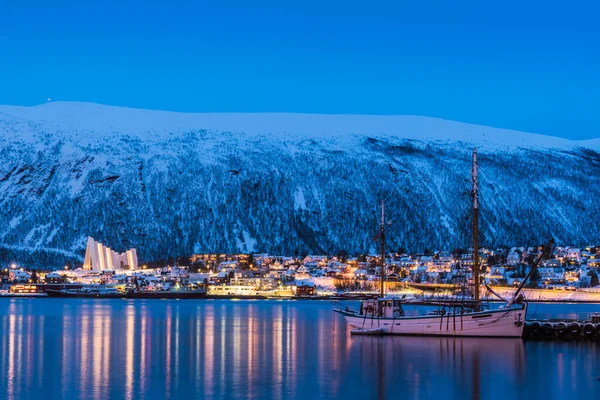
(98, 349)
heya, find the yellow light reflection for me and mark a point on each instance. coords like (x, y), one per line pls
(129, 348)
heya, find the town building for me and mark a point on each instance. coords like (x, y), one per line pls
(98, 257)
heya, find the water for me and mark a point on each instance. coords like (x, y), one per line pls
(157, 349)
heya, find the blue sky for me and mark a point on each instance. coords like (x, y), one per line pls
(532, 66)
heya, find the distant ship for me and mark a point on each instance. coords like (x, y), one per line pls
(87, 292)
(107, 292)
(386, 314)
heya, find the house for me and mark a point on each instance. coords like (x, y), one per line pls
(427, 260)
(315, 259)
(394, 277)
(277, 265)
(227, 266)
(593, 260)
(303, 269)
(552, 274)
(553, 263)
(573, 253)
(306, 289)
(433, 277)
(514, 257)
(361, 274)
(18, 275)
(446, 257)
(53, 277)
(221, 277)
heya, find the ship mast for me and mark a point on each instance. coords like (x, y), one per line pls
(382, 242)
(475, 196)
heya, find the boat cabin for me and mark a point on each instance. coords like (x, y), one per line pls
(382, 308)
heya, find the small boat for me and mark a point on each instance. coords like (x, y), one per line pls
(368, 331)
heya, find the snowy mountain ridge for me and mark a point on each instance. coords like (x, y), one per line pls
(76, 120)
(174, 183)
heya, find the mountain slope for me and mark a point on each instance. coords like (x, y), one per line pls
(172, 184)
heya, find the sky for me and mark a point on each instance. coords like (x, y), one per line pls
(532, 66)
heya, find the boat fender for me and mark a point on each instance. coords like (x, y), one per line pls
(535, 327)
(370, 309)
(548, 328)
(575, 328)
(561, 328)
(588, 329)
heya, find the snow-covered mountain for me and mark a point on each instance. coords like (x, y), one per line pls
(173, 184)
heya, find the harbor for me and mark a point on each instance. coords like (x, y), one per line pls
(466, 309)
(310, 200)
(159, 349)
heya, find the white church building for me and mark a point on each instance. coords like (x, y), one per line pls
(98, 257)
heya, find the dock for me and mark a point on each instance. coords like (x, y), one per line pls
(586, 327)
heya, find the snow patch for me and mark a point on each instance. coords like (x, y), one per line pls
(247, 244)
(51, 235)
(299, 199)
(15, 221)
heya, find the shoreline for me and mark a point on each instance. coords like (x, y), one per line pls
(310, 298)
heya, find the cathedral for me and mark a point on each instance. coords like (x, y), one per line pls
(98, 257)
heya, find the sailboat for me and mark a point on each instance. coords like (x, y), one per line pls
(464, 318)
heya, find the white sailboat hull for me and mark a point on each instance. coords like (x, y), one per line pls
(507, 322)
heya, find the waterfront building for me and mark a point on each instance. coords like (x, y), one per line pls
(19, 275)
(232, 290)
(98, 257)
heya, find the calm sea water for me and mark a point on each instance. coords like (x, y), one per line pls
(158, 349)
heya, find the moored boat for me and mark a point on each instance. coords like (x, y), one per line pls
(368, 331)
(462, 318)
(386, 315)
(101, 292)
(6, 293)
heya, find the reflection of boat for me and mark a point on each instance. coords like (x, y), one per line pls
(434, 367)
(457, 318)
(88, 292)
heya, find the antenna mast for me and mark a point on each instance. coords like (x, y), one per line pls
(382, 239)
(475, 196)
